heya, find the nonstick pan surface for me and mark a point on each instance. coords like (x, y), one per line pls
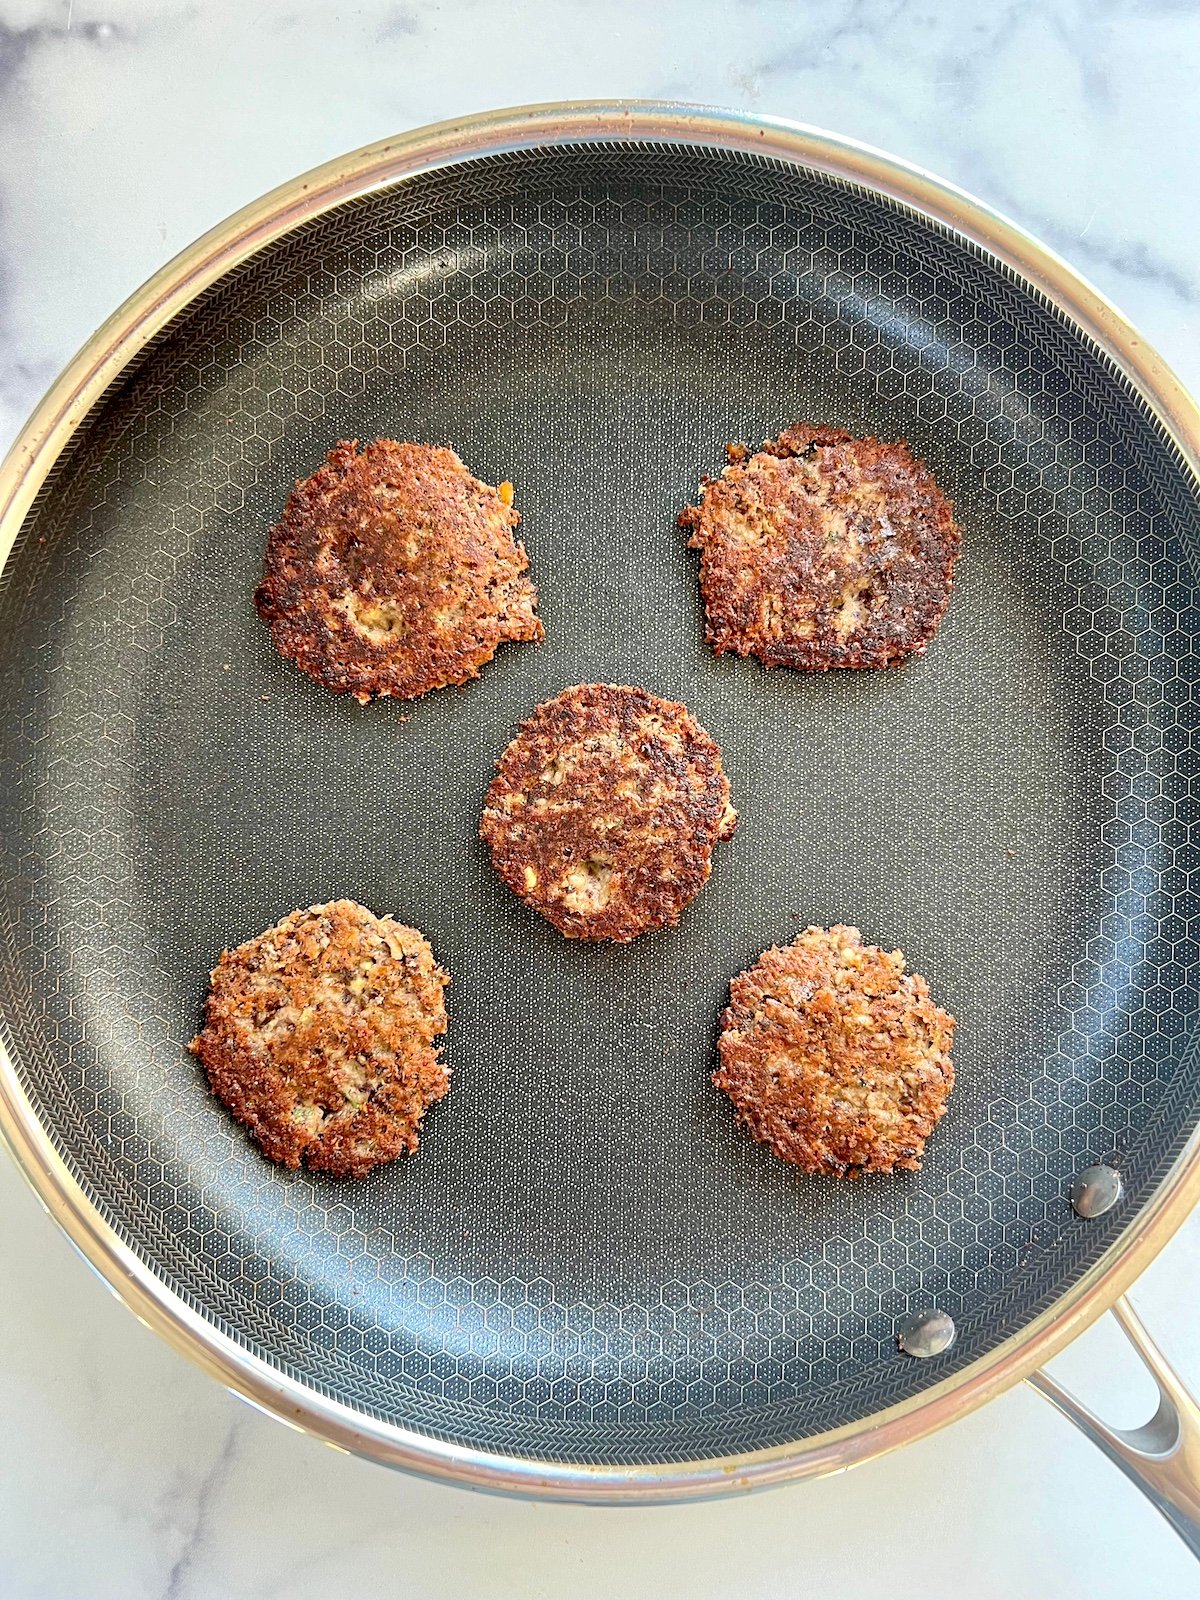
(588, 1268)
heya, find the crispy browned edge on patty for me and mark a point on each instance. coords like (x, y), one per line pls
(836, 1057)
(393, 571)
(822, 550)
(605, 809)
(320, 1036)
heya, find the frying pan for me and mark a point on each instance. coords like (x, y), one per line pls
(589, 1283)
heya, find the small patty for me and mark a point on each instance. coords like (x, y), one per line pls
(834, 1056)
(605, 809)
(823, 550)
(320, 1035)
(393, 571)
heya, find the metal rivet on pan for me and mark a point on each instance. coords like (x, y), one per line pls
(1096, 1190)
(925, 1333)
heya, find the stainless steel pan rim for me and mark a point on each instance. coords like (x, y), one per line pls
(68, 403)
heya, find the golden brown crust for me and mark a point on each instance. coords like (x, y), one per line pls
(823, 550)
(320, 1035)
(605, 809)
(393, 571)
(834, 1056)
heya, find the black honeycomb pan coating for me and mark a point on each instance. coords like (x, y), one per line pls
(587, 1260)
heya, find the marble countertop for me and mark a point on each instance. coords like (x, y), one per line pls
(129, 126)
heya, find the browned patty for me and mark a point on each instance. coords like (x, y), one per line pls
(605, 809)
(823, 550)
(393, 571)
(834, 1056)
(320, 1036)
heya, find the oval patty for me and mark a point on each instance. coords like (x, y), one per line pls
(834, 1056)
(605, 810)
(393, 571)
(822, 550)
(320, 1035)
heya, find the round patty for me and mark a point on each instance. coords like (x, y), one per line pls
(823, 550)
(393, 571)
(605, 809)
(320, 1036)
(834, 1056)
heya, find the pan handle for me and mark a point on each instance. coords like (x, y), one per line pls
(1163, 1455)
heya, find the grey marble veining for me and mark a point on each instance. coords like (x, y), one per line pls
(127, 127)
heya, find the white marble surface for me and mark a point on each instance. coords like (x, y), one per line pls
(126, 128)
